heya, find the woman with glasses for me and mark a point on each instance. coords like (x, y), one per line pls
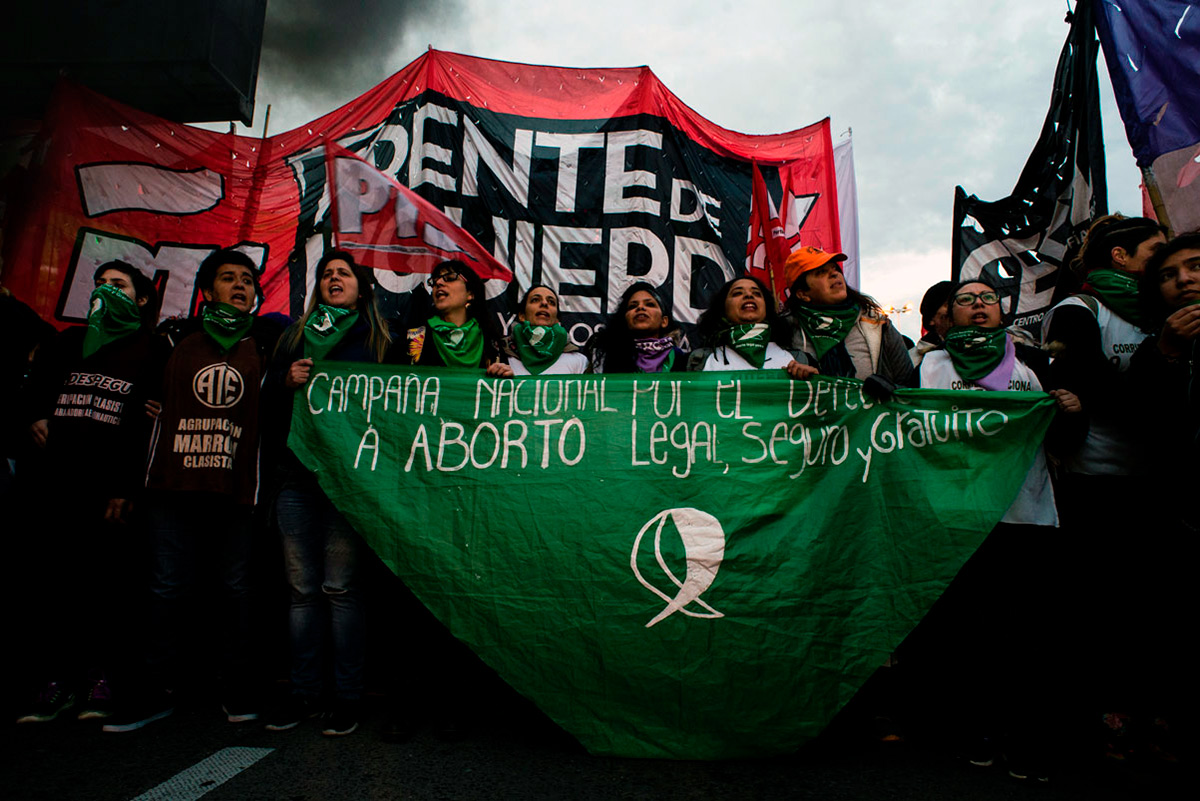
(638, 336)
(846, 333)
(997, 673)
(321, 551)
(741, 330)
(538, 343)
(457, 331)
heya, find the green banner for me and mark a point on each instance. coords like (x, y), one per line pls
(689, 566)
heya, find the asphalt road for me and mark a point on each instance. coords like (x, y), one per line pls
(510, 752)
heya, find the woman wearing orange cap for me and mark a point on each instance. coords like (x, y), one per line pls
(845, 331)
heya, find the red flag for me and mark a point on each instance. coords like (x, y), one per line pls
(386, 225)
(766, 248)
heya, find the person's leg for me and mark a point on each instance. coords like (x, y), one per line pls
(342, 549)
(172, 578)
(303, 554)
(235, 529)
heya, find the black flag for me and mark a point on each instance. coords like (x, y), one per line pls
(1021, 241)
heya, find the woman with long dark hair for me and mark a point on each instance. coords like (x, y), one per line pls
(742, 330)
(455, 331)
(321, 550)
(538, 343)
(638, 336)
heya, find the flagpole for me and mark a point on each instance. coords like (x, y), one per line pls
(1160, 208)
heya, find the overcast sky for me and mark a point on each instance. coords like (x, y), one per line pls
(938, 93)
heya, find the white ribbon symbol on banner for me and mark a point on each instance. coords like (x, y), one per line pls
(703, 543)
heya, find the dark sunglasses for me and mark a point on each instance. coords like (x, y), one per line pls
(969, 298)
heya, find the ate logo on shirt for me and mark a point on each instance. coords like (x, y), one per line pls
(218, 386)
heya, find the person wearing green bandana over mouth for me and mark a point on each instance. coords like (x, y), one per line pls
(457, 331)
(742, 330)
(87, 399)
(538, 343)
(1093, 335)
(202, 484)
(846, 332)
(1008, 685)
(322, 553)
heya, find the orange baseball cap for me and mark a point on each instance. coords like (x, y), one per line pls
(805, 259)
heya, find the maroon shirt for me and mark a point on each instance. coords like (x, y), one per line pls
(206, 439)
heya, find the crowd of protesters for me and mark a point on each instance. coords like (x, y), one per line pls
(155, 456)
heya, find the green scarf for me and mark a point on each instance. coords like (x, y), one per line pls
(458, 345)
(538, 346)
(748, 339)
(975, 352)
(325, 328)
(114, 315)
(225, 324)
(826, 326)
(1118, 291)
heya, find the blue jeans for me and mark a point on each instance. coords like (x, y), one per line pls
(320, 553)
(188, 530)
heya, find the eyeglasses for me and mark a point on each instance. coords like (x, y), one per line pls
(969, 298)
(446, 277)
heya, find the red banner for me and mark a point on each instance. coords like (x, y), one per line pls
(387, 226)
(583, 179)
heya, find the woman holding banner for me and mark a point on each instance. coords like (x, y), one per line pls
(741, 330)
(538, 344)
(638, 337)
(844, 331)
(1008, 684)
(457, 333)
(321, 551)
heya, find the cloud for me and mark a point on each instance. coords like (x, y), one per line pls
(318, 55)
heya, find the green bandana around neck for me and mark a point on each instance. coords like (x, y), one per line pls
(826, 326)
(225, 324)
(113, 315)
(1118, 291)
(975, 352)
(539, 346)
(458, 345)
(750, 340)
(325, 328)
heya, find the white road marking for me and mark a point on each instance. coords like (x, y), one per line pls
(190, 784)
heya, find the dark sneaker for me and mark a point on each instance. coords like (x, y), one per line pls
(142, 710)
(99, 702)
(49, 704)
(342, 720)
(293, 710)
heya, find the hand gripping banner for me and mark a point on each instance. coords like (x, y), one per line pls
(696, 566)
